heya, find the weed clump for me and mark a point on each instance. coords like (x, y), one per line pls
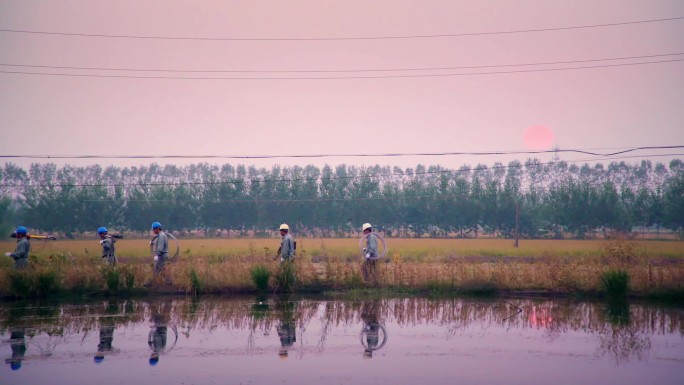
(260, 276)
(286, 277)
(112, 278)
(196, 285)
(47, 283)
(34, 283)
(615, 283)
(128, 276)
(20, 283)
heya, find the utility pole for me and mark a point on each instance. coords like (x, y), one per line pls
(517, 219)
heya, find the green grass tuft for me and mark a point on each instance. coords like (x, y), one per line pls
(260, 276)
(196, 285)
(286, 277)
(112, 278)
(615, 283)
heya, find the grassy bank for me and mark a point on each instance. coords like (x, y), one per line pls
(612, 268)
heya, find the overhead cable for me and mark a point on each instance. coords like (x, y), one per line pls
(335, 71)
(391, 37)
(336, 77)
(349, 155)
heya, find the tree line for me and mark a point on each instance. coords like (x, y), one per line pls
(553, 199)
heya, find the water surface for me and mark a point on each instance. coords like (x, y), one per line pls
(306, 340)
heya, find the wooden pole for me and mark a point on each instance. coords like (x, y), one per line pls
(517, 217)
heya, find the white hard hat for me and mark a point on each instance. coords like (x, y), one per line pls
(284, 226)
(366, 226)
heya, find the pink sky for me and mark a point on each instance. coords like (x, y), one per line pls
(589, 108)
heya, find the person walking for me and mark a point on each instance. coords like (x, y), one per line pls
(370, 253)
(21, 252)
(160, 247)
(107, 242)
(287, 244)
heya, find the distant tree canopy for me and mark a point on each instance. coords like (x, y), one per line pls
(553, 198)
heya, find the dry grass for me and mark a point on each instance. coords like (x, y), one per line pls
(323, 264)
(418, 250)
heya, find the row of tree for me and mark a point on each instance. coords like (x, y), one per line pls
(552, 198)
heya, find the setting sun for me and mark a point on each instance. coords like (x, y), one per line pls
(538, 138)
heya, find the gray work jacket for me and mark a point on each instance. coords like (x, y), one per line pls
(372, 245)
(287, 251)
(161, 244)
(22, 250)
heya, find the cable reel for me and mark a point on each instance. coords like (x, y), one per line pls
(382, 336)
(381, 253)
(175, 256)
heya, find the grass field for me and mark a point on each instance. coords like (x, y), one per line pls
(415, 250)
(434, 265)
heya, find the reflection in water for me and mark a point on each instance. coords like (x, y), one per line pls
(620, 331)
(373, 335)
(617, 312)
(621, 339)
(105, 345)
(107, 327)
(286, 326)
(156, 340)
(18, 345)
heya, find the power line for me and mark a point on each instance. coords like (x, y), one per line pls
(350, 155)
(323, 179)
(338, 77)
(337, 71)
(395, 37)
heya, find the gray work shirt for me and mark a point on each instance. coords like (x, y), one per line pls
(161, 244)
(372, 245)
(108, 246)
(22, 250)
(287, 251)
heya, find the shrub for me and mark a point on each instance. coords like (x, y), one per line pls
(112, 278)
(286, 277)
(615, 283)
(196, 285)
(128, 277)
(260, 276)
(48, 283)
(20, 283)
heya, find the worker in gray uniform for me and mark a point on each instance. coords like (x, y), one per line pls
(287, 244)
(107, 242)
(160, 247)
(370, 254)
(21, 252)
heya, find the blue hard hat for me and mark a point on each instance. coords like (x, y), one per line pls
(156, 225)
(21, 230)
(98, 359)
(154, 361)
(15, 364)
(101, 230)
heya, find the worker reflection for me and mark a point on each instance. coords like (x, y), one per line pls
(104, 347)
(373, 335)
(158, 332)
(286, 327)
(18, 345)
